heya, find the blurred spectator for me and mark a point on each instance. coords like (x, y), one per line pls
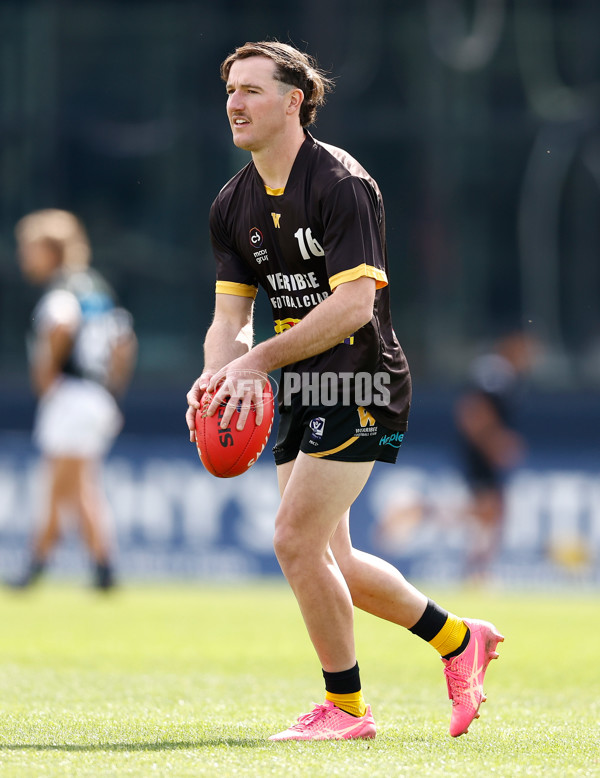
(489, 444)
(82, 351)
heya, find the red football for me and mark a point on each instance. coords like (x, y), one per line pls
(229, 452)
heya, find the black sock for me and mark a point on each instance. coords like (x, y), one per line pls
(104, 576)
(346, 682)
(431, 622)
(36, 567)
(34, 570)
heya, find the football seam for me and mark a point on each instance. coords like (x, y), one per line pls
(227, 473)
(243, 451)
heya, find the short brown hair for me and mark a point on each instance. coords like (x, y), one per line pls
(61, 230)
(292, 67)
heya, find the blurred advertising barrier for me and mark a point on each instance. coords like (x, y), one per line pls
(174, 520)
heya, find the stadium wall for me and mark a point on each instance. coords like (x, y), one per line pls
(174, 520)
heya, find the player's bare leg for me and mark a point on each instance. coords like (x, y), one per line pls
(487, 510)
(315, 494)
(47, 531)
(376, 586)
(92, 508)
(73, 485)
(94, 517)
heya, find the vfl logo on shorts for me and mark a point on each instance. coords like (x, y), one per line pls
(394, 440)
(317, 426)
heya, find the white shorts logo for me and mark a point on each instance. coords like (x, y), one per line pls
(317, 426)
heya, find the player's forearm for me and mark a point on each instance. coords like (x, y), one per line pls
(43, 375)
(50, 353)
(122, 364)
(224, 342)
(327, 325)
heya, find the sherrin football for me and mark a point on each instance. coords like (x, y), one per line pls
(229, 452)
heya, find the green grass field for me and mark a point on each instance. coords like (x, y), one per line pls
(191, 681)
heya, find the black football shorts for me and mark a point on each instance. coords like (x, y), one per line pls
(346, 433)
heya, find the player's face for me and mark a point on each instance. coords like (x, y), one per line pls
(256, 103)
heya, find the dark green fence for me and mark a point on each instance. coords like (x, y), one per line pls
(479, 119)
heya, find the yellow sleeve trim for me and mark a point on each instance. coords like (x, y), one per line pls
(239, 290)
(319, 454)
(358, 272)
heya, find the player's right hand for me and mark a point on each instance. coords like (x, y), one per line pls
(194, 397)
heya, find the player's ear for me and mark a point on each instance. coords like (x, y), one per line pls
(295, 98)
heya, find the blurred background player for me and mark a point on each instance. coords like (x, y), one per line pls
(489, 444)
(82, 351)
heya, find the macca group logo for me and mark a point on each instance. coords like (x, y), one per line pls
(256, 237)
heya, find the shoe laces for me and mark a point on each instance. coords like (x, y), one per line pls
(455, 681)
(309, 718)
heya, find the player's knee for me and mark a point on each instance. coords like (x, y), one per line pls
(292, 550)
(283, 544)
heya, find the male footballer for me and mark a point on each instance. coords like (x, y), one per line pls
(305, 221)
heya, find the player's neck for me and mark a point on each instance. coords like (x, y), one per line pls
(275, 162)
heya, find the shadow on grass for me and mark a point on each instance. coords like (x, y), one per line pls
(116, 747)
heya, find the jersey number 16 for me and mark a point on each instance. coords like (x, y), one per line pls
(307, 244)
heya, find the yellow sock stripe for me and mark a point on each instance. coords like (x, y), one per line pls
(450, 636)
(353, 704)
